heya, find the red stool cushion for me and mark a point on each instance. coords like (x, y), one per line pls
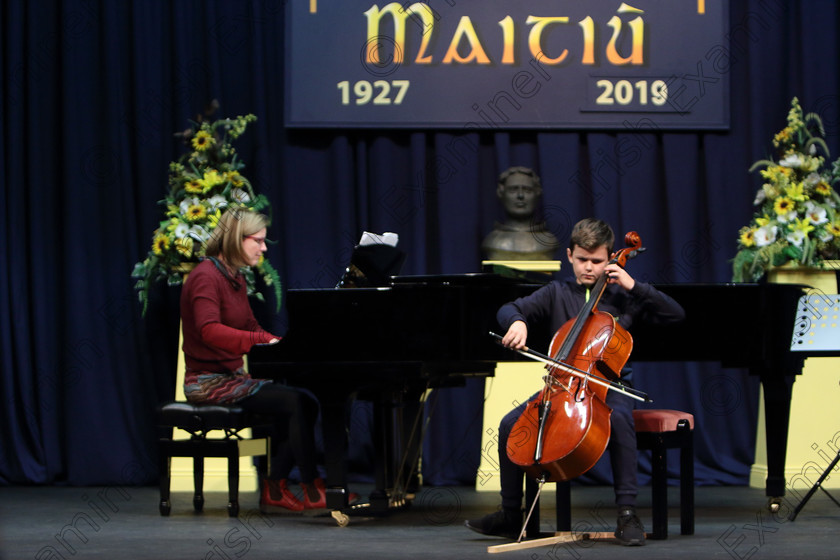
(660, 420)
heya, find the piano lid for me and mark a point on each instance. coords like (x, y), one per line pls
(429, 318)
(738, 324)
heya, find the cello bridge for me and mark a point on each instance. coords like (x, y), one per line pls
(552, 382)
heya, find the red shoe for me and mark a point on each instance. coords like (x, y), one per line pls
(316, 487)
(319, 486)
(276, 494)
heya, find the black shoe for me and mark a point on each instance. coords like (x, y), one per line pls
(630, 531)
(503, 523)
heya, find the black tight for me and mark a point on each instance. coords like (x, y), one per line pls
(293, 440)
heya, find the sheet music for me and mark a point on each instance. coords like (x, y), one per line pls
(817, 326)
(386, 238)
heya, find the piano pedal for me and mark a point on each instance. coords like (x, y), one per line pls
(341, 518)
(774, 504)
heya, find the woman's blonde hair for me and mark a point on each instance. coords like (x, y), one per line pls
(234, 226)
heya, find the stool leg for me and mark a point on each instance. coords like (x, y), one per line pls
(233, 479)
(659, 468)
(198, 481)
(164, 472)
(563, 505)
(687, 485)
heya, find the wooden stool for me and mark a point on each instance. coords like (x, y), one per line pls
(656, 430)
(198, 420)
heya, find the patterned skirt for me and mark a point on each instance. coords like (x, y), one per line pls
(203, 387)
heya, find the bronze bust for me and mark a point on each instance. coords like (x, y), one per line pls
(521, 237)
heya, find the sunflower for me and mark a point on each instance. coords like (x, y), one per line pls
(195, 212)
(822, 188)
(783, 205)
(160, 244)
(194, 187)
(235, 178)
(747, 237)
(202, 140)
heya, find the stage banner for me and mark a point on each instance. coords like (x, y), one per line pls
(508, 64)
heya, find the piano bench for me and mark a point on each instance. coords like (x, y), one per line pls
(198, 420)
(657, 431)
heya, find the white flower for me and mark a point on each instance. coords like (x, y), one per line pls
(760, 197)
(816, 214)
(187, 202)
(199, 234)
(216, 202)
(791, 160)
(181, 230)
(796, 237)
(812, 179)
(240, 195)
(765, 235)
(786, 218)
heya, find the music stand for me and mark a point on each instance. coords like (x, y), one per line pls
(373, 262)
(816, 332)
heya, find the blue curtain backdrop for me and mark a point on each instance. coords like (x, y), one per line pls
(92, 92)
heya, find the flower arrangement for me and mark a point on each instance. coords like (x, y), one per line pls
(798, 220)
(203, 183)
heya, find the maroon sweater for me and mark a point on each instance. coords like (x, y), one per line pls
(218, 323)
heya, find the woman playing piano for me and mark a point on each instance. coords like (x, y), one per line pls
(219, 328)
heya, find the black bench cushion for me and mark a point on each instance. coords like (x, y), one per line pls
(203, 417)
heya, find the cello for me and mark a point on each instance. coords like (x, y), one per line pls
(565, 429)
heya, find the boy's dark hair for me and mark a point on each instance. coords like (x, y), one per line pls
(590, 234)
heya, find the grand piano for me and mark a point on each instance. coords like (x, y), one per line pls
(739, 325)
(388, 344)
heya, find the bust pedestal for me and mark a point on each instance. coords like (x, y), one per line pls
(814, 429)
(512, 384)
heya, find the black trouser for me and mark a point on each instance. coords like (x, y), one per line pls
(293, 442)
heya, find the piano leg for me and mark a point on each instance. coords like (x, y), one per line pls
(334, 427)
(383, 436)
(397, 429)
(777, 393)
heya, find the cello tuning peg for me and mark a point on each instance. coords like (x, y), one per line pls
(635, 252)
